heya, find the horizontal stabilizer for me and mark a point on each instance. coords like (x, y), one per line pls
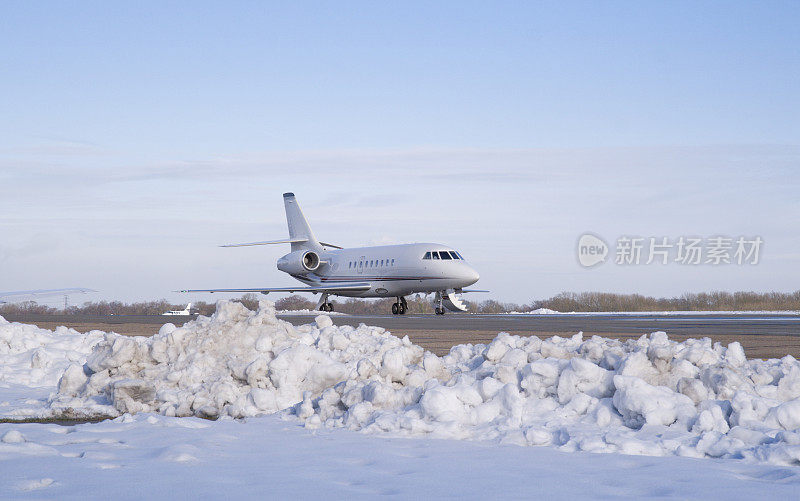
(330, 245)
(331, 289)
(269, 242)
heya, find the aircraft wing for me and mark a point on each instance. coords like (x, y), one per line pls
(21, 295)
(470, 290)
(331, 289)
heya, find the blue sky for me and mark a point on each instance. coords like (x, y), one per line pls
(135, 138)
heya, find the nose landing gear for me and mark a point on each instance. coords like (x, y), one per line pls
(324, 305)
(439, 304)
(400, 307)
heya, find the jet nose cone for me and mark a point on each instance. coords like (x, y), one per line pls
(471, 276)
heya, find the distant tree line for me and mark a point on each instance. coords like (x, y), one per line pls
(702, 301)
(418, 303)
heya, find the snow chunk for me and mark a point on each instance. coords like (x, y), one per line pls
(13, 437)
(640, 403)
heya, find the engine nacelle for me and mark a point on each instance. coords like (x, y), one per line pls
(299, 262)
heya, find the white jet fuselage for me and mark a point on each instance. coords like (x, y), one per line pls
(390, 270)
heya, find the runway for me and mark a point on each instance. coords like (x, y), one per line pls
(696, 325)
(690, 325)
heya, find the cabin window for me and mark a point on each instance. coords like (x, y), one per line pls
(454, 254)
(427, 255)
(381, 262)
(444, 254)
(392, 262)
(435, 255)
(360, 264)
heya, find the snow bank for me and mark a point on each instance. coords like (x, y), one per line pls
(647, 396)
(237, 363)
(34, 357)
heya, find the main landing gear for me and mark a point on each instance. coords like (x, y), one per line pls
(400, 307)
(324, 305)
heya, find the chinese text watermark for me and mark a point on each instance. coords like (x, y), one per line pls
(682, 250)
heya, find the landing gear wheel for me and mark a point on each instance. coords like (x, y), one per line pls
(326, 307)
(400, 307)
(440, 311)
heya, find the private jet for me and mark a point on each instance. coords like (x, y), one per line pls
(184, 312)
(366, 272)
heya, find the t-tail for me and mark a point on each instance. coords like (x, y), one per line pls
(300, 235)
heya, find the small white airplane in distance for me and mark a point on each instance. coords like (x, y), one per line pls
(185, 311)
(17, 296)
(384, 271)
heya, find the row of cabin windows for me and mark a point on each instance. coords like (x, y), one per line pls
(442, 255)
(372, 263)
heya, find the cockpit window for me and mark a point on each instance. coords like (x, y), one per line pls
(427, 255)
(435, 255)
(445, 255)
(454, 254)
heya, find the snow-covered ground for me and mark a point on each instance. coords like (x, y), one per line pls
(156, 457)
(682, 420)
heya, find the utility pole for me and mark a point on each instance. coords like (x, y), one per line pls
(65, 302)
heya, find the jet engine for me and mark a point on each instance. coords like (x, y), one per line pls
(299, 262)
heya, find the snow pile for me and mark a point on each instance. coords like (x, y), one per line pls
(648, 396)
(237, 363)
(34, 357)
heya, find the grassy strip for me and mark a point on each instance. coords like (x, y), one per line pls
(61, 420)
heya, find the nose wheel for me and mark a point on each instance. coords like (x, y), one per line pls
(400, 307)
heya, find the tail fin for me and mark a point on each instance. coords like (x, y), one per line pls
(298, 226)
(189, 307)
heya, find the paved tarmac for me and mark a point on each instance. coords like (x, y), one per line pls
(696, 325)
(693, 325)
